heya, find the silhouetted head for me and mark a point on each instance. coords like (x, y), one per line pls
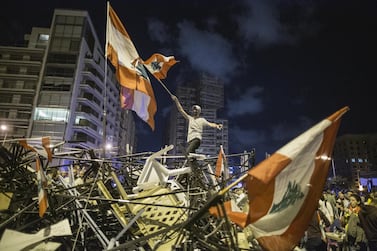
(196, 110)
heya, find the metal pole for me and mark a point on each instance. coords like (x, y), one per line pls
(5, 137)
(4, 129)
(333, 168)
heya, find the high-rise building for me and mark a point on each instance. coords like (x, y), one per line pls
(208, 92)
(20, 69)
(355, 156)
(58, 85)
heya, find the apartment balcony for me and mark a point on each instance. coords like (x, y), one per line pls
(95, 65)
(89, 103)
(88, 130)
(93, 74)
(12, 74)
(10, 105)
(11, 91)
(93, 119)
(89, 88)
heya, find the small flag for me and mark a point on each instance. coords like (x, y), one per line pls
(159, 65)
(233, 216)
(41, 177)
(41, 147)
(221, 165)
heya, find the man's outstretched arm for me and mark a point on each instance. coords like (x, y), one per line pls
(179, 107)
(214, 125)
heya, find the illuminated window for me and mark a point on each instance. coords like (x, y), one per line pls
(43, 37)
(52, 114)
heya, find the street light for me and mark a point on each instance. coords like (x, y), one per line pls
(4, 128)
(108, 146)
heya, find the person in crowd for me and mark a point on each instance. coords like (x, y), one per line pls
(342, 199)
(315, 239)
(368, 221)
(326, 208)
(342, 204)
(354, 205)
(331, 198)
(195, 125)
(355, 235)
(348, 194)
(371, 196)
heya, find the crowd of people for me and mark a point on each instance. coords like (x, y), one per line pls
(349, 216)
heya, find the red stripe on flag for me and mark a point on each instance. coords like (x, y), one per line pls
(42, 194)
(41, 178)
(46, 146)
(219, 164)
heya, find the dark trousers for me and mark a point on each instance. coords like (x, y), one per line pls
(315, 244)
(372, 245)
(192, 146)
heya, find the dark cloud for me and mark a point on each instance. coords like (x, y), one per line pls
(246, 138)
(248, 103)
(260, 25)
(159, 31)
(270, 137)
(208, 52)
(287, 130)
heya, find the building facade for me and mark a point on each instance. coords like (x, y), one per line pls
(60, 85)
(20, 69)
(355, 157)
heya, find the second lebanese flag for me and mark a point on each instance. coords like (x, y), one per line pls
(284, 189)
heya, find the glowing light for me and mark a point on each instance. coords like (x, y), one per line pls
(108, 146)
(324, 157)
(4, 128)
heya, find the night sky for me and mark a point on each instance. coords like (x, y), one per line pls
(286, 64)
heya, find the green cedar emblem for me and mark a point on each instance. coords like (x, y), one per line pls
(291, 195)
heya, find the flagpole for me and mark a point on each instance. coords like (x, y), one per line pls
(163, 85)
(159, 80)
(104, 122)
(226, 189)
(333, 168)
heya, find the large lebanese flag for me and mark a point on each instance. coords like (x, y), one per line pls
(284, 189)
(130, 70)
